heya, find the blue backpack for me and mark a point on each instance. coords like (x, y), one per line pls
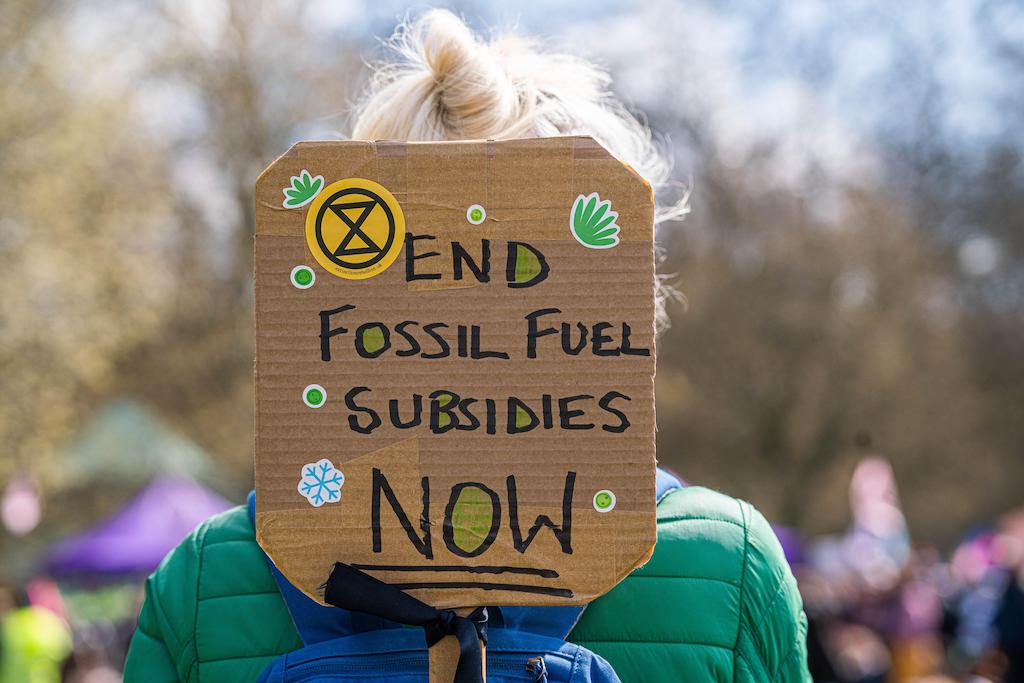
(399, 655)
(523, 643)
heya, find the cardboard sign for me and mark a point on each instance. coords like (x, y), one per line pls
(455, 368)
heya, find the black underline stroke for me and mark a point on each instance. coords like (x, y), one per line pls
(542, 590)
(486, 569)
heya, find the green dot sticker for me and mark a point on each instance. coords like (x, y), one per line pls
(303, 277)
(314, 396)
(604, 501)
(476, 214)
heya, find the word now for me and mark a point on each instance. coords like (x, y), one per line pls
(483, 520)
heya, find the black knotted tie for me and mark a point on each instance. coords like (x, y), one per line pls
(352, 589)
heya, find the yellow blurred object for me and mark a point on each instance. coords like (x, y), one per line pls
(34, 643)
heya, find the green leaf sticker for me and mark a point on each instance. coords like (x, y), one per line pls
(303, 189)
(593, 222)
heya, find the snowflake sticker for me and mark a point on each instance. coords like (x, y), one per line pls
(321, 483)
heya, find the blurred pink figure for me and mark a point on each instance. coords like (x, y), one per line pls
(875, 499)
(878, 543)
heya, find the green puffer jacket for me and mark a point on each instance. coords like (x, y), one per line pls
(717, 602)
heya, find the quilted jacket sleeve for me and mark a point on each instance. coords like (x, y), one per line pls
(213, 612)
(772, 641)
(716, 603)
(163, 647)
(148, 658)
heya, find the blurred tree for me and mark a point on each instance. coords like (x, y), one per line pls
(83, 217)
(801, 334)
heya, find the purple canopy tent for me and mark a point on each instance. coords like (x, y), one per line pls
(135, 539)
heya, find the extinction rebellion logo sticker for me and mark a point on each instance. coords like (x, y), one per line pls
(355, 228)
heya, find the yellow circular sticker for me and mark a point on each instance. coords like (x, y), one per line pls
(355, 228)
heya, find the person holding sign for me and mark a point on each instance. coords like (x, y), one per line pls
(455, 351)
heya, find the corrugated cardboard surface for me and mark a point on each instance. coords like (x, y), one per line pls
(527, 188)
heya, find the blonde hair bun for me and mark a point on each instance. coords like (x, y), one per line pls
(448, 84)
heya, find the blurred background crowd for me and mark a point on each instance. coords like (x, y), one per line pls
(847, 317)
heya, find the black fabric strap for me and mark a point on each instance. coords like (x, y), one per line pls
(354, 590)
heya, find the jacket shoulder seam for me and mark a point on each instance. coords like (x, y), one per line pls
(677, 577)
(653, 641)
(794, 649)
(201, 546)
(751, 664)
(224, 541)
(686, 518)
(779, 591)
(240, 657)
(276, 591)
(144, 631)
(743, 587)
